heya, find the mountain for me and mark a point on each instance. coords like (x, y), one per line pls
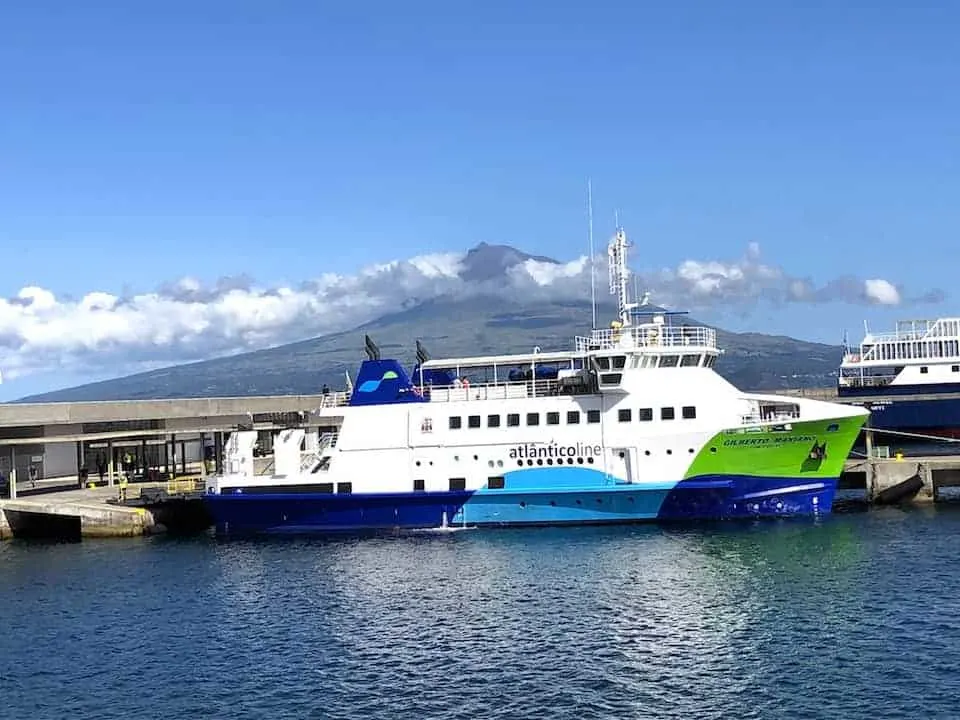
(448, 327)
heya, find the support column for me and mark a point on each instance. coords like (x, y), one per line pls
(183, 457)
(111, 462)
(79, 444)
(13, 472)
(218, 451)
(173, 456)
(203, 456)
(146, 462)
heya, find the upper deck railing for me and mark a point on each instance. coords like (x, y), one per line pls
(649, 336)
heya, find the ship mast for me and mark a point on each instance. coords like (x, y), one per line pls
(620, 275)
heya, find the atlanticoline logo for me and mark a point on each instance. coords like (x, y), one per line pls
(371, 385)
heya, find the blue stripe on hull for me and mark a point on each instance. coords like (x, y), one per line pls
(703, 498)
(887, 390)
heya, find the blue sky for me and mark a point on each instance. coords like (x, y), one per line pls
(145, 142)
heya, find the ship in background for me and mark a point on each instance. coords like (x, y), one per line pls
(630, 424)
(909, 379)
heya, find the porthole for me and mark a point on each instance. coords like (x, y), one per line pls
(539, 461)
(590, 460)
(418, 463)
(646, 452)
(579, 461)
(669, 452)
(690, 450)
(519, 463)
(713, 449)
(523, 504)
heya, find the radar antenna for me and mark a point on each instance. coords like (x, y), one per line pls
(620, 275)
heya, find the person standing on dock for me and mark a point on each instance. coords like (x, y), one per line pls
(122, 487)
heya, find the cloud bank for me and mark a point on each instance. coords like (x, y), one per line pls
(184, 320)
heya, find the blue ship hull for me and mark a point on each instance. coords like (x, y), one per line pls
(702, 498)
(898, 412)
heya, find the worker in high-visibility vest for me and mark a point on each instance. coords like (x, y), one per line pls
(123, 486)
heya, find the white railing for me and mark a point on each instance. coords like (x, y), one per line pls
(327, 441)
(520, 390)
(762, 412)
(649, 336)
(335, 399)
(866, 380)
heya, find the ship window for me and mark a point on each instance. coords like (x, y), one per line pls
(669, 360)
(473, 421)
(689, 361)
(458, 484)
(833, 427)
(553, 418)
(667, 413)
(611, 378)
(923, 370)
(603, 363)
(645, 414)
(495, 483)
(955, 368)
(419, 485)
(624, 415)
(533, 418)
(493, 421)
(345, 487)
(619, 362)
(513, 419)
(593, 416)
(573, 417)
(456, 422)
(689, 412)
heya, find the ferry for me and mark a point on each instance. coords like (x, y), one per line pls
(909, 378)
(633, 423)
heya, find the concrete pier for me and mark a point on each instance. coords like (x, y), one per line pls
(74, 514)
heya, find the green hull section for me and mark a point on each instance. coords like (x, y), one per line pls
(810, 448)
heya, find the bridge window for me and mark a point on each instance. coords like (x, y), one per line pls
(456, 422)
(495, 483)
(619, 362)
(667, 413)
(533, 418)
(513, 420)
(553, 418)
(689, 412)
(645, 414)
(624, 415)
(573, 417)
(593, 416)
(473, 421)
(689, 361)
(493, 421)
(611, 378)
(603, 363)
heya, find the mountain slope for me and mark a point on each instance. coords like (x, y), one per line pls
(448, 328)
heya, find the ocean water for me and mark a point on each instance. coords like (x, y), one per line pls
(854, 616)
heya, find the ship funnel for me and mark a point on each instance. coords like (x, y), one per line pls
(373, 352)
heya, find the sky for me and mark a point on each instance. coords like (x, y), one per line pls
(185, 179)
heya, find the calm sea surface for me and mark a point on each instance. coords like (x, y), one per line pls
(857, 616)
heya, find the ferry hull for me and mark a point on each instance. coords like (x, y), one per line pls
(891, 408)
(702, 498)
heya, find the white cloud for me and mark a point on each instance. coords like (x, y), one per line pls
(185, 320)
(881, 292)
